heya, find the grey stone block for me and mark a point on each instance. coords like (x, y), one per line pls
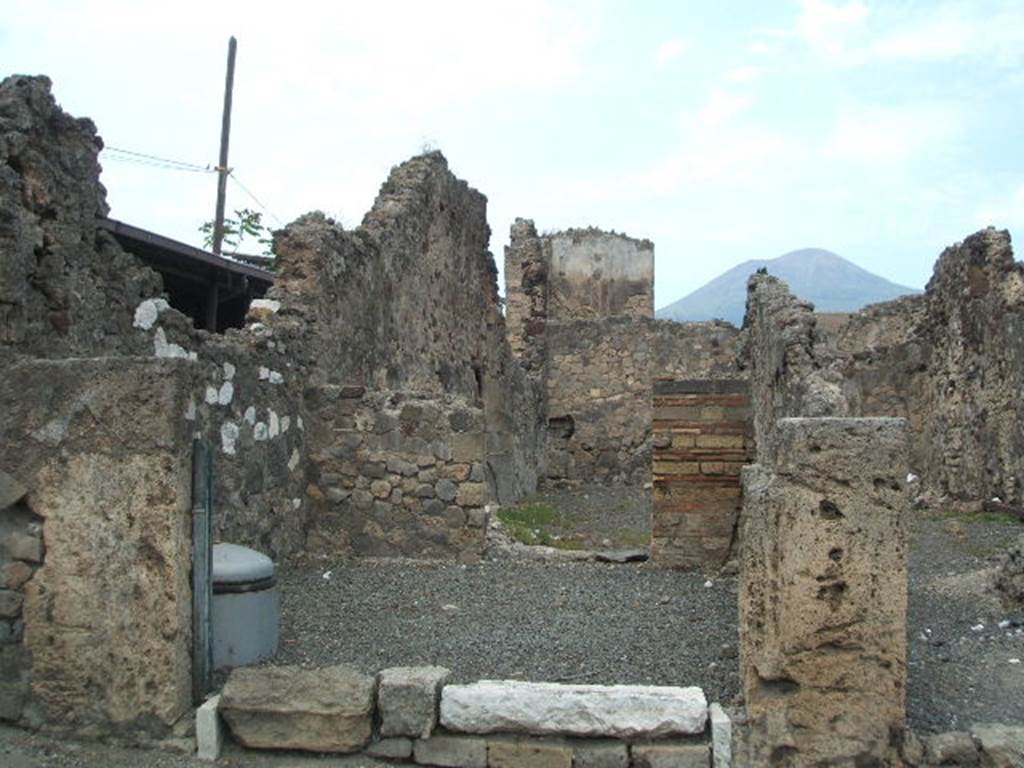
(451, 751)
(408, 700)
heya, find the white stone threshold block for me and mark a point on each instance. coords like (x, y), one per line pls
(617, 711)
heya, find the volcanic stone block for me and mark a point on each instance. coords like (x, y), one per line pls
(451, 751)
(671, 756)
(823, 592)
(603, 754)
(318, 710)
(528, 753)
(408, 699)
(105, 450)
(621, 711)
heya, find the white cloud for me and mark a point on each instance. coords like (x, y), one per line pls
(1006, 212)
(721, 107)
(953, 31)
(825, 26)
(669, 51)
(875, 134)
(744, 74)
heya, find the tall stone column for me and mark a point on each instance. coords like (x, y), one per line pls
(823, 594)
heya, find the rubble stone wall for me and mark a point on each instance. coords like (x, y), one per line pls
(397, 475)
(823, 594)
(96, 543)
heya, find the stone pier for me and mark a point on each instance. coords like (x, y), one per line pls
(823, 594)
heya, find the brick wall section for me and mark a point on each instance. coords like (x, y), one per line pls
(703, 435)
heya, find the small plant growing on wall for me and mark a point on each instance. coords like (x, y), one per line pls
(245, 226)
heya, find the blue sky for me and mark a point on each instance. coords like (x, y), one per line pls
(883, 131)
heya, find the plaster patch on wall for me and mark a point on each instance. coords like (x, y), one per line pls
(259, 432)
(299, 423)
(250, 415)
(147, 312)
(211, 395)
(190, 410)
(275, 424)
(293, 462)
(229, 371)
(228, 437)
(286, 422)
(227, 391)
(161, 347)
(296, 503)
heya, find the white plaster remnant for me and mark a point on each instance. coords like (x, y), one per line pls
(226, 393)
(190, 410)
(286, 421)
(618, 711)
(274, 428)
(161, 347)
(264, 307)
(259, 432)
(211, 395)
(147, 312)
(293, 461)
(229, 371)
(721, 737)
(209, 731)
(228, 437)
(299, 423)
(250, 415)
(276, 378)
(263, 373)
(296, 503)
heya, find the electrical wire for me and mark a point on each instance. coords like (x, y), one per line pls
(234, 178)
(141, 158)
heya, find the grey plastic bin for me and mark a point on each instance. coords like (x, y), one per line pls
(246, 606)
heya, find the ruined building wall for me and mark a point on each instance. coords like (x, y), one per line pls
(973, 437)
(950, 362)
(595, 274)
(66, 288)
(406, 311)
(789, 371)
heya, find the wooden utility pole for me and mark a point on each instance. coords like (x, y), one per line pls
(225, 134)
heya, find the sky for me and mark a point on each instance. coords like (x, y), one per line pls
(883, 131)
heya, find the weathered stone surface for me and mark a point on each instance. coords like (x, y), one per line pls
(23, 546)
(10, 604)
(209, 730)
(621, 711)
(329, 709)
(528, 753)
(11, 489)
(953, 748)
(721, 736)
(108, 614)
(823, 591)
(604, 754)
(1002, 746)
(1008, 579)
(408, 699)
(451, 751)
(670, 755)
(393, 748)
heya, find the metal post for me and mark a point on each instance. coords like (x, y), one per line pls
(222, 166)
(202, 568)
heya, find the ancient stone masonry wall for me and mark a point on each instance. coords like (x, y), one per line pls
(396, 475)
(973, 437)
(66, 288)
(526, 295)
(595, 274)
(790, 372)
(823, 595)
(691, 351)
(95, 544)
(598, 401)
(703, 435)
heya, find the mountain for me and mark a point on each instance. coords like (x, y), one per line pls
(830, 281)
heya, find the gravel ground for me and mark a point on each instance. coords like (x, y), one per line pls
(605, 518)
(591, 622)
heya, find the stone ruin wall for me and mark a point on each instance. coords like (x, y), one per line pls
(295, 450)
(580, 318)
(950, 362)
